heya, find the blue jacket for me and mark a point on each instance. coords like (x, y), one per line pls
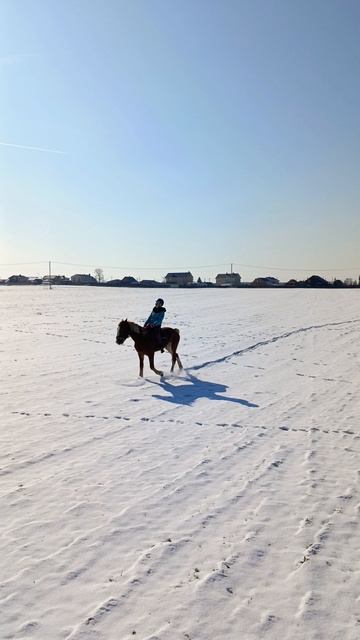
(156, 317)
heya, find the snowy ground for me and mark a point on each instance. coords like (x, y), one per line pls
(219, 504)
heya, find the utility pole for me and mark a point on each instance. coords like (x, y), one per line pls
(49, 274)
(231, 268)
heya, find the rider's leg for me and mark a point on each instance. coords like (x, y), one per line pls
(157, 337)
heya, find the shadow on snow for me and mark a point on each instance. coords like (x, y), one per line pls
(193, 389)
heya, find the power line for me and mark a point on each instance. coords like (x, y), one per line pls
(16, 264)
(211, 266)
(182, 268)
(198, 266)
(253, 266)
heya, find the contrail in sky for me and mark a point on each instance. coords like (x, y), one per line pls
(23, 146)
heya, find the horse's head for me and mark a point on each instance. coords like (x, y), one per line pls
(123, 331)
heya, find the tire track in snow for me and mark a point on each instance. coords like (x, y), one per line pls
(171, 556)
(264, 343)
(336, 506)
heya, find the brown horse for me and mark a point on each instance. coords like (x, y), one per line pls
(146, 346)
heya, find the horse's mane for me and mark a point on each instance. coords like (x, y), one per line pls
(136, 328)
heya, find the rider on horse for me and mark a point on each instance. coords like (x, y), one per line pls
(154, 321)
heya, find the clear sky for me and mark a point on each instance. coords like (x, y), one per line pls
(157, 135)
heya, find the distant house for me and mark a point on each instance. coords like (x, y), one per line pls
(268, 281)
(18, 280)
(128, 281)
(82, 278)
(316, 281)
(228, 280)
(56, 280)
(149, 283)
(62, 280)
(114, 283)
(181, 279)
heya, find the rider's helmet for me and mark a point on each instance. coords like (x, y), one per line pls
(159, 302)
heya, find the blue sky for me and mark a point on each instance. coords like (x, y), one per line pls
(192, 133)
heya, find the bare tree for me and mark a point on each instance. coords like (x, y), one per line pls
(99, 275)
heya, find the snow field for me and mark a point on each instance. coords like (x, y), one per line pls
(222, 502)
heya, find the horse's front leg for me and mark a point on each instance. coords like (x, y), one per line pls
(173, 360)
(152, 366)
(141, 363)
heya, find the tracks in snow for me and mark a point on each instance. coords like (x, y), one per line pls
(264, 343)
(134, 420)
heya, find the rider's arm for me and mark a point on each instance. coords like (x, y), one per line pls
(148, 321)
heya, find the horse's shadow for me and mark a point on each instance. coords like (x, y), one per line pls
(193, 389)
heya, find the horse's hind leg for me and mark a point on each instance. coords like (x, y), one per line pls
(141, 362)
(175, 359)
(170, 348)
(152, 366)
(174, 355)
